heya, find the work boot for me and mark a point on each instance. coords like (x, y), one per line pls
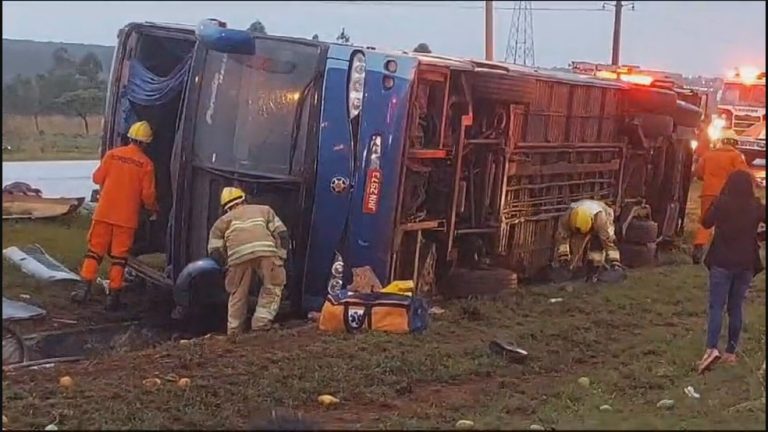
(82, 294)
(697, 254)
(113, 302)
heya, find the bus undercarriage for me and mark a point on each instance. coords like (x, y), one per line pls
(494, 157)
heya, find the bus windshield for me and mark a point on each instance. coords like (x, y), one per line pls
(252, 106)
(743, 95)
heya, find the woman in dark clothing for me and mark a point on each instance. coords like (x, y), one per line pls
(733, 260)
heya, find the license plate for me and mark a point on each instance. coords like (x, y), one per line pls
(372, 191)
(752, 145)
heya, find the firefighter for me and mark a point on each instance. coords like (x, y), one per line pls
(713, 168)
(584, 220)
(249, 239)
(126, 178)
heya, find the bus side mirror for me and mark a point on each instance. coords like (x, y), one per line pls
(216, 37)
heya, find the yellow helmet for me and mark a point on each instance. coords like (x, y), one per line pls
(581, 219)
(729, 137)
(140, 131)
(231, 196)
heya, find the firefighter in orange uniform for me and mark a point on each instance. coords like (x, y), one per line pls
(713, 168)
(126, 177)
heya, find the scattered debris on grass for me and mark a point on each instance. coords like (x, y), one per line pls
(18, 311)
(152, 383)
(584, 382)
(690, 392)
(606, 408)
(465, 424)
(34, 261)
(436, 310)
(536, 427)
(556, 300)
(327, 400)
(66, 382)
(184, 383)
(509, 351)
(666, 404)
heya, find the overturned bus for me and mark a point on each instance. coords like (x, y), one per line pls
(449, 172)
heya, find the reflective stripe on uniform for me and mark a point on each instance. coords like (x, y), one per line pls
(263, 247)
(613, 255)
(250, 222)
(215, 244)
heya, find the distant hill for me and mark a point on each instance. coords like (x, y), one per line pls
(30, 58)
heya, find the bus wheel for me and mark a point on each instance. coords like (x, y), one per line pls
(479, 283)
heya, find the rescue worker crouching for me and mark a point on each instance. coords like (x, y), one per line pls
(713, 168)
(585, 220)
(126, 178)
(249, 239)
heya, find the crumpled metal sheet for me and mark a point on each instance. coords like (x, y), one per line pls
(33, 261)
(16, 311)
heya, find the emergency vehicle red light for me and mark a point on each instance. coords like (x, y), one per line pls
(637, 79)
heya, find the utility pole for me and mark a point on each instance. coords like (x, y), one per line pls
(617, 6)
(489, 30)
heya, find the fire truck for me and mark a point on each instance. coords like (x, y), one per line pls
(741, 106)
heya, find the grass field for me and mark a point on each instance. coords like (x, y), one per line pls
(637, 342)
(62, 138)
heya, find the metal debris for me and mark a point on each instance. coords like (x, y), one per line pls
(509, 351)
(436, 310)
(16, 311)
(666, 404)
(690, 392)
(33, 261)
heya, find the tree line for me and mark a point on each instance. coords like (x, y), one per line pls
(75, 87)
(70, 87)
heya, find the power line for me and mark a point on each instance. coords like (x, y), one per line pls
(436, 4)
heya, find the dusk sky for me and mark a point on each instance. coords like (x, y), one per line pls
(689, 37)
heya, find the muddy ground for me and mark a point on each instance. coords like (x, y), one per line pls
(637, 342)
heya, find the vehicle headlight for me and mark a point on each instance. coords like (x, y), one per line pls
(715, 128)
(356, 88)
(336, 282)
(694, 144)
(337, 269)
(334, 286)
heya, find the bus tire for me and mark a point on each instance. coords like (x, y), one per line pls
(481, 283)
(655, 126)
(635, 255)
(687, 115)
(641, 231)
(650, 100)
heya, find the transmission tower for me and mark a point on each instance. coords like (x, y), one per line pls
(520, 39)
